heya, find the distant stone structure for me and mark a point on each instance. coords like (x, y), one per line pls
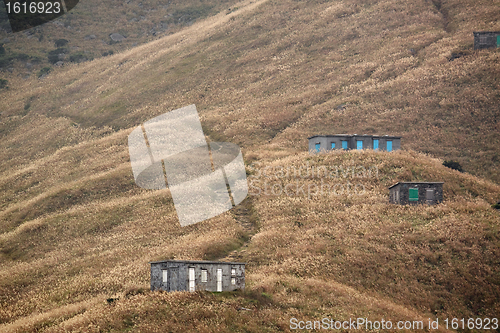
(486, 39)
(184, 275)
(322, 143)
(412, 193)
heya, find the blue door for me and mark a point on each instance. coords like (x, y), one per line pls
(359, 144)
(333, 145)
(344, 144)
(318, 146)
(375, 144)
(389, 145)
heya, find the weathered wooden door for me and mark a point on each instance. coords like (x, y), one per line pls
(430, 196)
(174, 279)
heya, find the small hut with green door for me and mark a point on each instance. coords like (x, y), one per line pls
(412, 193)
(486, 39)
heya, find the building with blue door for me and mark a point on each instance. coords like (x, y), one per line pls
(486, 39)
(322, 143)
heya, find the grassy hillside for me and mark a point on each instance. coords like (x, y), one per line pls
(85, 32)
(75, 230)
(330, 254)
(320, 66)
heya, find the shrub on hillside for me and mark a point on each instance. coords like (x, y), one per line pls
(4, 62)
(79, 57)
(53, 55)
(44, 71)
(453, 165)
(188, 14)
(20, 57)
(61, 42)
(3, 83)
(35, 59)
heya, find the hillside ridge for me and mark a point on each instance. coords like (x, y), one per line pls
(77, 233)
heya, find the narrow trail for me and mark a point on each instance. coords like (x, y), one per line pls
(245, 215)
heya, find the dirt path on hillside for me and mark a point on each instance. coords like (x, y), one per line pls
(245, 215)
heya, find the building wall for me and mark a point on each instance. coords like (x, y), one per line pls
(367, 142)
(326, 142)
(178, 276)
(338, 142)
(396, 143)
(486, 39)
(400, 193)
(319, 139)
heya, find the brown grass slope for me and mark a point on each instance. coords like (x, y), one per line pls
(273, 73)
(75, 230)
(84, 33)
(336, 255)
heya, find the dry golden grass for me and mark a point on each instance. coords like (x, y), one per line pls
(417, 255)
(339, 256)
(75, 230)
(139, 22)
(388, 62)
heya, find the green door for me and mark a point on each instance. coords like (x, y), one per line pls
(498, 41)
(413, 194)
